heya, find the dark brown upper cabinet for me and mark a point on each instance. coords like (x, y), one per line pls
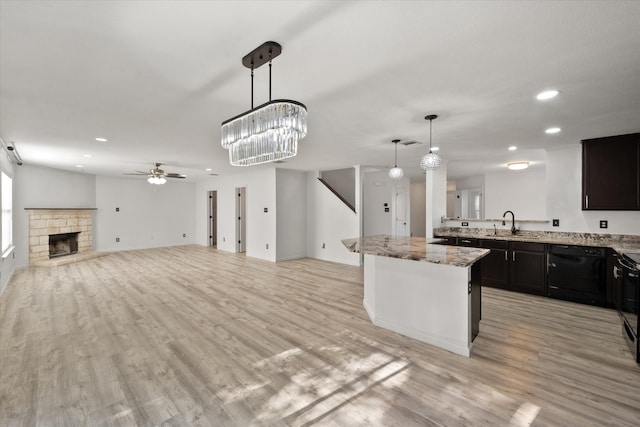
(611, 173)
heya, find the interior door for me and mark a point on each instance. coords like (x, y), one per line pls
(400, 226)
(213, 218)
(241, 227)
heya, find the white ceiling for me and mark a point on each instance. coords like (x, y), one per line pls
(158, 78)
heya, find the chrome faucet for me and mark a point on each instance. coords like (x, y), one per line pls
(513, 221)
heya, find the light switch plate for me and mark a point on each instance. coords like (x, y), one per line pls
(604, 223)
(556, 223)
(465, 224)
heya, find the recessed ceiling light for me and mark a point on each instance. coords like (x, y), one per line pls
(101, 139)
(516, 166)
(208, 169)
(547, 94)
(435, 148)
(88, 156)
(79, 166)
(513, 148)
(552, 130)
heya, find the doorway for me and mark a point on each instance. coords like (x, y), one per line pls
(241, 226)
(213, 218)
(401, 200)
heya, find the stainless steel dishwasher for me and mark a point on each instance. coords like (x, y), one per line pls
(577, 273)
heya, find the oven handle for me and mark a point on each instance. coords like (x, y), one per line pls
(626, 265)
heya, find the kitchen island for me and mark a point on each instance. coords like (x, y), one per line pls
(421, 289)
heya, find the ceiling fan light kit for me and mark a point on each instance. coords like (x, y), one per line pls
(269, 132)
(158, 176)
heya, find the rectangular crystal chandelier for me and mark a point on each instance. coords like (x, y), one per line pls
(270, 131)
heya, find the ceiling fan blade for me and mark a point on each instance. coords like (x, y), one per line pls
(174, 175)
(138, 173)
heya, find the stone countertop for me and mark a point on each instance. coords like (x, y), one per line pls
(619, 242)
(416, 249)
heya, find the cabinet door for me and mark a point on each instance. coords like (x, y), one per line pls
(611, 173)
(495, 266)
(527, 272)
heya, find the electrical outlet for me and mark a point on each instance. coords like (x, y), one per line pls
(184, 234)
(323, 246)
(465, 224)
(267, 245)
(266, 210)
(117, 239)
(604, 223)
(556, 223)
(117, 209)
(224, 239)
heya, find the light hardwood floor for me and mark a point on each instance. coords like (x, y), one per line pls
(190, 336)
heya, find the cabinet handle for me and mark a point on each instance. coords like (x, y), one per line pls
(465, 241)
(586, 201)
(506, 257)
(615, 272)
(513, 256)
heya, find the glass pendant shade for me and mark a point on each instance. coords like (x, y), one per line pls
(396, 173)
(266, 133)
(157, 180)
(430, 161)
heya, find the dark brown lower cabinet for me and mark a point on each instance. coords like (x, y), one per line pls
(527, 267)
(515, 266)
(495, 266)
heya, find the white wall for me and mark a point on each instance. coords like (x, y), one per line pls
(564, 198)
(260, 186)
(42, 187)
(291, 214)
(377, 190)
(418, 206)
(329, 221)
(523, 192)
(8, 260)
(149, 215)
(436, 198)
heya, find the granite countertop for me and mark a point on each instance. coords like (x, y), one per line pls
(416, 249)
(619, 242)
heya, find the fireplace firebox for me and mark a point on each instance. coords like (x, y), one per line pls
(63, 244)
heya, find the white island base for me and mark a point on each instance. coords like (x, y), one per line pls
(430, 302)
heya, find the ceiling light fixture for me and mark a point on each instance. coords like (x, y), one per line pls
(157, 180)
(270, 131)
(88, 156)
(552, 130)
(547, 94)
(395, 172)
(79, 166)
(517, 166)
(430, 160)
(513, 148)
(435, 148)
(101, 139)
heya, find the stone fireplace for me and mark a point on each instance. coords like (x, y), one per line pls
(59, 232)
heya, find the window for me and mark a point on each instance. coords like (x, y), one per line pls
(7, 211)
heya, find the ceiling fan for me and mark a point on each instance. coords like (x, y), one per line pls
(157, 176)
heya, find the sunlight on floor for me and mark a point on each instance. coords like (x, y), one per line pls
(320, 389)
(525, 415)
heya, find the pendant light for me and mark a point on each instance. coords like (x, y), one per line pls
(268, 132)
(430, 160)
(395, 172)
